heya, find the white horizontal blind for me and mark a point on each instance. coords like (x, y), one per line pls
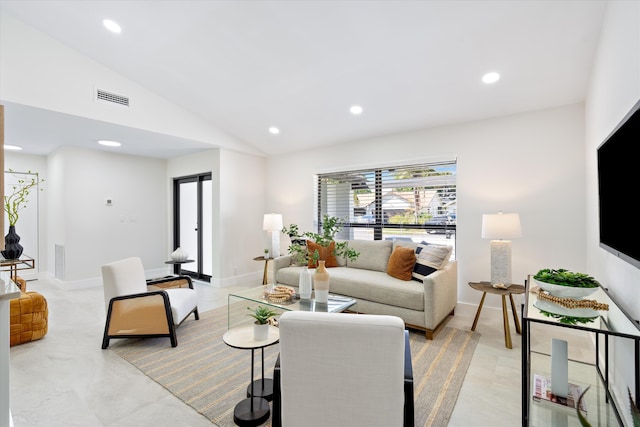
(413, 202)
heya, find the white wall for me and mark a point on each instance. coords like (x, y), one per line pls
(614, 89)
(528, 163)
(74, 212)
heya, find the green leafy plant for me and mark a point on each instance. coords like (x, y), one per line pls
(330, 227)
(18, 198)
(568, 320)
(262, 314)
(564, 277)
(635, 412)
(583, 420)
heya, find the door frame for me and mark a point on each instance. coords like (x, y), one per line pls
(199, 179)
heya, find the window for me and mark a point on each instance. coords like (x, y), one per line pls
(416, 202)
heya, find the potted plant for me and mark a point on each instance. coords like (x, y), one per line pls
(14, 202)
(330, 227)
(565, 283)
(262, 315)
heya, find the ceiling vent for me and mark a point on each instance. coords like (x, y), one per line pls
(111, 98)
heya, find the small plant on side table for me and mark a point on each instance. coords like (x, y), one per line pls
(262, 314)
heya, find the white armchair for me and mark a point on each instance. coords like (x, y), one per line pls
(137, 307)
(338, 369)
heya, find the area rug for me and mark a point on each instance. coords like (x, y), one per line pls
(212, 378)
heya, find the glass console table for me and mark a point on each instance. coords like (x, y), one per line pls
(614, 331)
(25, 262)
(238, 302)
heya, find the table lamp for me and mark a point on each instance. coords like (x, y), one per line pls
(273, 223)
(500, 227)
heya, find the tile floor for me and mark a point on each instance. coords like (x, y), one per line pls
(66, 379)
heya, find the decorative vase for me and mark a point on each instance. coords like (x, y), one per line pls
(12, 246)
(304, 283)
(179, 255)
(260, 331)
(321, 283)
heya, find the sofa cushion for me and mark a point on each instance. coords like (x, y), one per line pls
(430, 258)
(326, 253)
(378, 287)
(401, 263)
(374, 254)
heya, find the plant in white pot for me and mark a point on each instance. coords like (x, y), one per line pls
(262, 315)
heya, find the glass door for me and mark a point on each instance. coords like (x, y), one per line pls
(192, 229)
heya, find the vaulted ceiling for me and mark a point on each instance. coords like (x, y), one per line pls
(246, 66)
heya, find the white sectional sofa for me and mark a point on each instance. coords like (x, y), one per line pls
(423, 305)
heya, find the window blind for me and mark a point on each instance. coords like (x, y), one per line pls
(412, 202)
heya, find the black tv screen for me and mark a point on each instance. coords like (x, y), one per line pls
(618, 179)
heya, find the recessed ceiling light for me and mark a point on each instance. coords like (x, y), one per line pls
(108, 143)
(356, 109)
(274, 130)
(12, 147)
(491, 78)
(112, 26)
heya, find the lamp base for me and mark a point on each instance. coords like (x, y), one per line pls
(501, 263)
(274, 250)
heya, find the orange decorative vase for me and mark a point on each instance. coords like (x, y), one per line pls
(321, 283)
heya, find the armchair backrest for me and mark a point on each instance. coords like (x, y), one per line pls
(339, 369)
(123, 277)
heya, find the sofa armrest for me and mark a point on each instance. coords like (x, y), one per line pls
(440, 294)
(278, 263)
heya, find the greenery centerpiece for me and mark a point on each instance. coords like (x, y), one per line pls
(565, 283)
(14, 202)
(331, 226)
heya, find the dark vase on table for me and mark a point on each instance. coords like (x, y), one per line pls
(12, 246)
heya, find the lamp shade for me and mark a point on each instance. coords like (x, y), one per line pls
(272, 222)
(501, 226)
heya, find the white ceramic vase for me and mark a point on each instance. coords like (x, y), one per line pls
(304, 283)
(179, 255)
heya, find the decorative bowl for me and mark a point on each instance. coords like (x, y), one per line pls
(565, 291)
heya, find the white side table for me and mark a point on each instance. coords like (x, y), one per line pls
(254, 410)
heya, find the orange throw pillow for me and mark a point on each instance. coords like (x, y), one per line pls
(326, 254)
(401, 263)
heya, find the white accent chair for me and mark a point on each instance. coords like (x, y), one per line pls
(137, 307)
(340, 369)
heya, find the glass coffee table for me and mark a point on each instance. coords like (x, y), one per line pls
(238, 314)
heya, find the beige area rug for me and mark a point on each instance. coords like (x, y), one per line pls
(211, 377)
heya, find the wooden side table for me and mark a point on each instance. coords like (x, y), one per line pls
(266, 264)
(486, 288)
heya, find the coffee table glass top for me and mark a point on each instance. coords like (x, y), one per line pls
(239, 301)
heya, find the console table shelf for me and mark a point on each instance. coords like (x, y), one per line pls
(612, 329)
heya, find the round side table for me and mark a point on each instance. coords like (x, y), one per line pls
(486, 288)
(254, 410)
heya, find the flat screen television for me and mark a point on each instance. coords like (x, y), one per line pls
(618, 182)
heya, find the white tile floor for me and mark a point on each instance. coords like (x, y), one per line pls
(66, 379)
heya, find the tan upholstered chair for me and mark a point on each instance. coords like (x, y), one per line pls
(338, 369)
(137, 307)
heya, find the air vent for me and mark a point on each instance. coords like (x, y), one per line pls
(112, 98)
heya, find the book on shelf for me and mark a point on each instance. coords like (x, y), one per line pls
(542, 393)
